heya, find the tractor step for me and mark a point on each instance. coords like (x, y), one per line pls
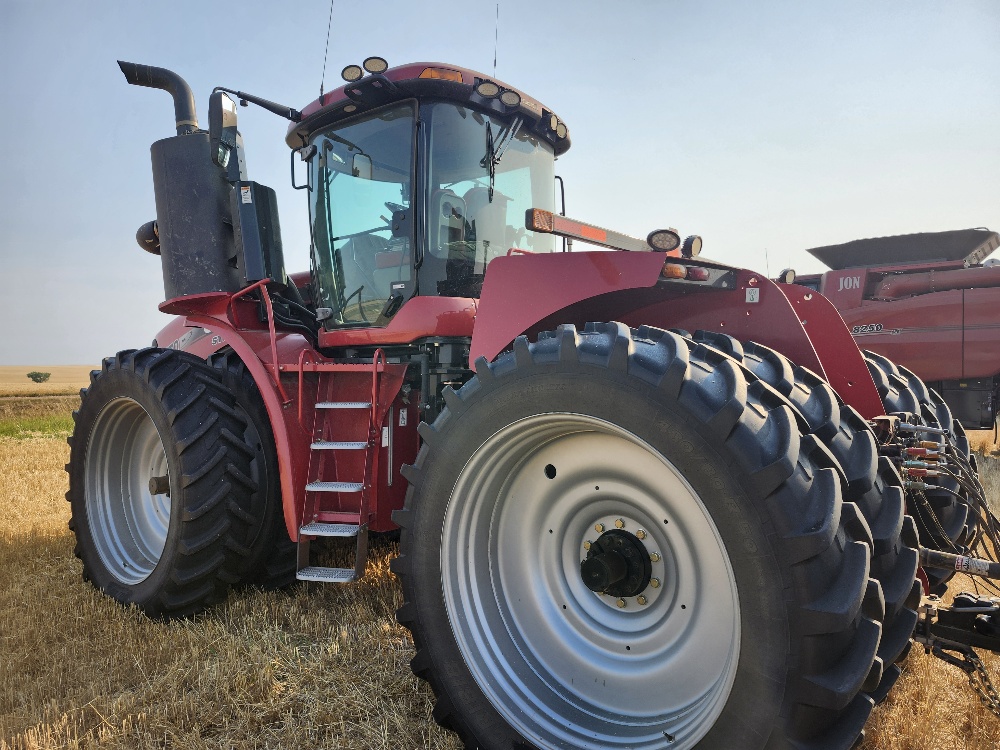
(327, 575)
(330, 529)
(343, 521)
(334, 487)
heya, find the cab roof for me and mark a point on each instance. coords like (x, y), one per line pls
(425, 79)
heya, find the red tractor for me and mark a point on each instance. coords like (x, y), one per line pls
(614, 533)
(928, 301)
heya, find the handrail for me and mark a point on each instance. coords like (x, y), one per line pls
(379, 354)
(302, 373)
(262, 284)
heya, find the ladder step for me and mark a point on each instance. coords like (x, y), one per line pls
(330, 529)
(334, 487)
(327, 575)
(328, 445)
(344, 405)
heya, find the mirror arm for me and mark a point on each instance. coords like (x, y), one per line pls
(279, 109)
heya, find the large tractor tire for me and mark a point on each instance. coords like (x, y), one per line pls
(161, 478)
(944, 520)
(737, 610)
(870, 481)
(271, 564)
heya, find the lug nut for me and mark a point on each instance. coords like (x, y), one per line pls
(598, 527)
(641, 534)
(654, 556)
(586, 544)
(621, 604)
(620, 524)
(654, 582)
(641, 599)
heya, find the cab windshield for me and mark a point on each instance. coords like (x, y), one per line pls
(359, 209)
(483, 174)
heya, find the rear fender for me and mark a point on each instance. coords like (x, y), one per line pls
(204, 327)
(291, 438)
(529, 294)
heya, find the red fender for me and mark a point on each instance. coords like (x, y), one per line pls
(532, 293)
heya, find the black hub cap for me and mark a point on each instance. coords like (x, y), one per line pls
(617, 564)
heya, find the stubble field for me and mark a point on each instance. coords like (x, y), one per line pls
(317, 667)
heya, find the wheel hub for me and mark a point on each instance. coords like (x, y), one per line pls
(617, 564)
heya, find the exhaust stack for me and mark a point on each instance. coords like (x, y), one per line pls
(160, 78)
(193, 216)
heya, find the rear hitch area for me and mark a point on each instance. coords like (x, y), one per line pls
(953, 633)
(930, 461)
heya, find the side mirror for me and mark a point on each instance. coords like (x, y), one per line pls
(222, 133)
(362, 167)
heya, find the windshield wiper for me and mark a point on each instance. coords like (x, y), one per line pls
(495, 153)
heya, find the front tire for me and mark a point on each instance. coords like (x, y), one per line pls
(161, 478)
(763, 631)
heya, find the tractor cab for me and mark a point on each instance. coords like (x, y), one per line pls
(418, 177)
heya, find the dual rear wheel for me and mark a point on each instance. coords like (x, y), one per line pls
(173, 483)
(733, 600)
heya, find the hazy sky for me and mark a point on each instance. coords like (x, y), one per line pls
(762, 126)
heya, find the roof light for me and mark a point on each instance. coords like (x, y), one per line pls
(441, 74)
(510, 98)
(352, 73)
(674, 271)
(487, 89)
(692, 246)
(553, 122)
(375, 65)
(787, 276)
(664, 240)
(561, 130)
(698, 274)
(350, 107)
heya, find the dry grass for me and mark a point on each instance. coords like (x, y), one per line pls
(983, 441)
(323, 667)
(64, 380)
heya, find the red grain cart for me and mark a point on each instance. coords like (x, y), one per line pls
(614, 533)
(930, 302)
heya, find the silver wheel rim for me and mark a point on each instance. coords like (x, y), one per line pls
(564, 665)
(128, 523)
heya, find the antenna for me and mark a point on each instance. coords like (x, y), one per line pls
(496, 36)
(322, 78)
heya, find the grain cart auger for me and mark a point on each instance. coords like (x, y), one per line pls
(614, 534)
